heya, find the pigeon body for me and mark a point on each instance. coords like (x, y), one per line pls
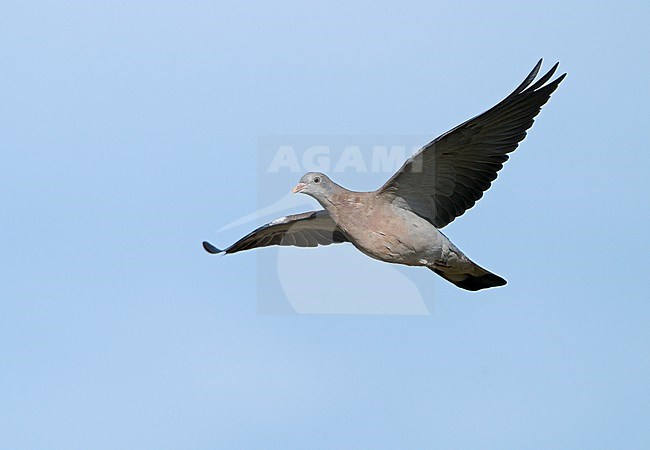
(399, 222)
(387, 231)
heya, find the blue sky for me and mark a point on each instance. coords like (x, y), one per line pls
(129, 133)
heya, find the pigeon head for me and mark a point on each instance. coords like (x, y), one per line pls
(314, 184)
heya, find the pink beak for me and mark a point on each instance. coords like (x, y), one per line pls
(299, 187)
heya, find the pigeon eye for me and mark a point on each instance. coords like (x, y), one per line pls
(316, 180)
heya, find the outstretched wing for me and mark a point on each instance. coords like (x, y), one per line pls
(447, 176)
(308, 229)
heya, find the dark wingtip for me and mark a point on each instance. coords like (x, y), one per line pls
(528, 81)
(211, 248)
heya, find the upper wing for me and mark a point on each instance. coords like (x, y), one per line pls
(308, 229)
(447, 176)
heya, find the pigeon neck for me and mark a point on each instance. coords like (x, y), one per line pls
(331, 199)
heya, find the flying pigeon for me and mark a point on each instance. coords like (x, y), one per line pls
(400, 222)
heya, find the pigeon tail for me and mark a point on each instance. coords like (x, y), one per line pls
(472, 282)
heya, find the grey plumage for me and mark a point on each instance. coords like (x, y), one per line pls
(399, 222)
